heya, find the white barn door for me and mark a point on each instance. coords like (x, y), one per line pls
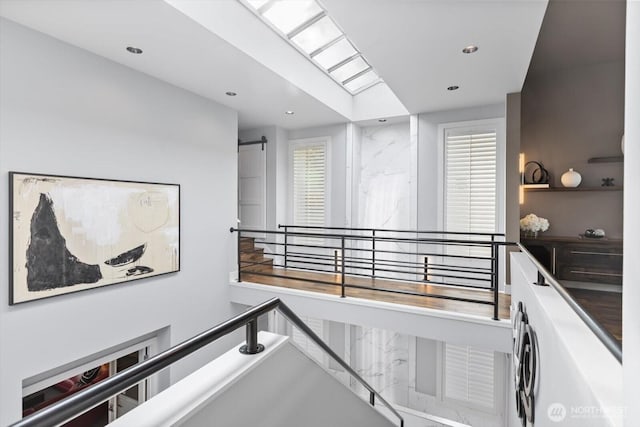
(252, 187)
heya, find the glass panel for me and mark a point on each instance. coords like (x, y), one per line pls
(336, 53)
(286, 15)
(350, 69)
(362, 81)
(257, 4)
(317, 35)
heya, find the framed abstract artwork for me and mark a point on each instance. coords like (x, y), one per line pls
(69, 234)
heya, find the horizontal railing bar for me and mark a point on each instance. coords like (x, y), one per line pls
(440, 276)
(420, 267)
(331, 266)
(399, 252)
(391, 230)
(448, 242)
(477, 270)
(421, 282)
(356, 249)
(389, 270)
(316, 270)
(428, 295)
(397, 240)
(306, 245)
(385, 251)
(425, 254)
(90, 397)
(607, 339)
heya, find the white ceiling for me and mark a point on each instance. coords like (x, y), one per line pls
(178, 51)
(414, 45)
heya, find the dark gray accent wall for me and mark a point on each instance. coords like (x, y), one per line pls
(569, 116)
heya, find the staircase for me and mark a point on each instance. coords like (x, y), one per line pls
(252, 258)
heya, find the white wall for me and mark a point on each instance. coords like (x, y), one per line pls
(512, 174)
(428, 203)
(66, 111)
(631, 290)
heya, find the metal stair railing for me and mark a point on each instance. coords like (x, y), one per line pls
(75, 405)
(547, 279)
(468, 261)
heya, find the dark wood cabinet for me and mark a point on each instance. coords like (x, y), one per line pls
(579, 259)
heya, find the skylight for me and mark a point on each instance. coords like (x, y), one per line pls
(306, 25)
(287, 15)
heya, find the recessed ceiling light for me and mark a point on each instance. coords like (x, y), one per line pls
(453, 88)
(470, 49)
(382, 120)
(230, 93)
(288, 112)
(134, 50)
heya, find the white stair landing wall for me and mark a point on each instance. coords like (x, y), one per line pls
(578, 381)
(440, 325)
(280, 387)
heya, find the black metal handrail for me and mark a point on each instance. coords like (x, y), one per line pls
(338, 236)
(390, 230)
(92, 396)
(546, 278)
(339, 250)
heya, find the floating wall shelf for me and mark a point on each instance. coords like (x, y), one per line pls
(611, 159)
(555, 189)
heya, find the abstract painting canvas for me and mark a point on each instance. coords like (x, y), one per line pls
(69, 234)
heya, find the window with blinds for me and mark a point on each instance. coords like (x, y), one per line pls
(309, 165)
(469, 375)
(470, 180)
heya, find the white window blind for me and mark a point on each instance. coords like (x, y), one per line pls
(470, 180)
(309, 184)
(469, 375)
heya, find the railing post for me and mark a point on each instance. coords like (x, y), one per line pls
(335, 261)
(343, 268)
(541, 280)
(494, 277)
(239, 257)
(372, 399)
(426, 269)
(252, 346)
(373, 254)
(286, 242)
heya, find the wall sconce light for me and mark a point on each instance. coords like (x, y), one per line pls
(532, 175)
(521, 163)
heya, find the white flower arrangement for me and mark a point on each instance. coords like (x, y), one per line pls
(533, 224)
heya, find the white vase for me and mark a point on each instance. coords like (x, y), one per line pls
(571, 178)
